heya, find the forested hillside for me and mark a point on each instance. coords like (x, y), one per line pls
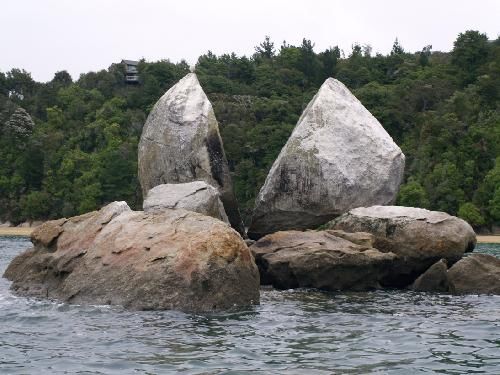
(68, 147)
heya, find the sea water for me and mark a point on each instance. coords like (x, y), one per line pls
(291, 332)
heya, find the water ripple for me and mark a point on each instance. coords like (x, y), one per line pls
(389, 332)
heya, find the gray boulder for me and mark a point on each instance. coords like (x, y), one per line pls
(476, 273)
(180, 143)
(419, 237)
(197, 196)
(435, 279)
(293, 259)
(338, 157)
(173, 259)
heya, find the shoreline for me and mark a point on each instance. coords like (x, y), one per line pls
(26, 232)
(488, 239)
(15, 231)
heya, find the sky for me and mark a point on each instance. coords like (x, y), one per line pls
(46, 36)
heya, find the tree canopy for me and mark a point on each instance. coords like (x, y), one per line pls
(68, 147)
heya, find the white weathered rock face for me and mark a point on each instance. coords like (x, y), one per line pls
(181, 143)
(197, 196)
(338, 157)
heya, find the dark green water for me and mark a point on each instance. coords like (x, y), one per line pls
(291, 332)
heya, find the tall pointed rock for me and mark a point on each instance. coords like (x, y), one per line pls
(180, 143)
(338, 157)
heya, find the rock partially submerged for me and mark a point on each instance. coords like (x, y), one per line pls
(293, 259)
(174, 259)
(180, 142)
(419, 237)
(435, 279)
(476, 273)
(338, 157)
(197, 196)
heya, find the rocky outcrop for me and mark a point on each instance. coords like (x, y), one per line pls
(419, 237)
(174, 259)
(476, 273)
(181, 143)
(197, 196)
(293, 259)
(435, 279)
(338, 157)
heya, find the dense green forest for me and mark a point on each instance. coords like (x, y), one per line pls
(68, 147)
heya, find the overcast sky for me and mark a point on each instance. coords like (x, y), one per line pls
(45, 36)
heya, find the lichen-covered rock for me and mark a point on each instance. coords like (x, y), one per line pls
(476, 273)
(293, 259)
(419, 237)
(338, 157)
(174, 259)
(180, 142)
(435, 279)
(197, 196)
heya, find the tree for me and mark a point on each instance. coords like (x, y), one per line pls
(423, 57)
(397, 48)
(329, 59)
(266, 48)
(20, 124)
(412, 194)
(20, 84)
(470, 52)
(494, 205)
(35, 205)
(62, 78)
(470, 213)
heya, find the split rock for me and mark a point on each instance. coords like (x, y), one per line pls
(338, 157)
(180, 142)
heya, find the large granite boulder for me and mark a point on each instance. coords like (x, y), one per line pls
(197, 196)
(174, 259)
(338, 157)
(293, 259)
(476, 273)
(419, 237)
(180, 142)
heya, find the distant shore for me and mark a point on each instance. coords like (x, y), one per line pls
(26, 232)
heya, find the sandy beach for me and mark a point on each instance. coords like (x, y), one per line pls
(488, 239)
(15, 231)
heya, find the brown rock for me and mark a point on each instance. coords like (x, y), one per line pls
(175, 259)
(476, 273)
(359, 238)
(435, 279)
(419, 237)
(46, 233)
(321, 260)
